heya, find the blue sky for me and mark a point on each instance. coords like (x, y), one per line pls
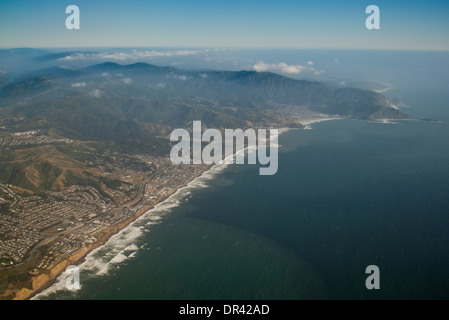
(405, 24)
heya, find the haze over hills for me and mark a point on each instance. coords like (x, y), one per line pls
(133, 108)
(109, 100)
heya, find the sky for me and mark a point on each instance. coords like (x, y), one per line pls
(319, 24)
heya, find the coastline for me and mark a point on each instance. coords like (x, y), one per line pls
(45, 281)
(309, 122)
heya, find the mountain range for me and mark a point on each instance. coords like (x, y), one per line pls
(110, 100)
(132, 109)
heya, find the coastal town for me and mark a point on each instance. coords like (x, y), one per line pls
(39, 230)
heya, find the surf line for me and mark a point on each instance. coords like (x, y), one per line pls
(233, 152)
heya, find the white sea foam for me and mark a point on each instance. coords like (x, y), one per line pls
(119, 258)
(132, 247)
(386, 121)
(283, 130)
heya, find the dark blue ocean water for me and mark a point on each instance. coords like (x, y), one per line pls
(347, 194)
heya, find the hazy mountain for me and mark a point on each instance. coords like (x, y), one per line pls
(133, 108)
(112, 101)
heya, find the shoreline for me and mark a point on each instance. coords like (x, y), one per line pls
(79, 257)
(308, 123)
(46, 280)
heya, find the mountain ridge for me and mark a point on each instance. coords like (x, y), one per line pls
(98, 101)
(133, 108)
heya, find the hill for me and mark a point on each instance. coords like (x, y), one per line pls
(110, 100)
(133, 108)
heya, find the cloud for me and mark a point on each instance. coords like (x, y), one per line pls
(128, 80)
(383, 90)
(159, 85)
(133, 55)
(179, 76)
(79, 85)
(280, 67)
(285, 68)
(97, 93)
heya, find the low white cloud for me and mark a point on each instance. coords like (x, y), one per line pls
(79, 85)
(279, 67)
(159, 85)
(133, 55)
(285, 68)
(383, 90)
(128, 80)
(178, 76)
(97, 93)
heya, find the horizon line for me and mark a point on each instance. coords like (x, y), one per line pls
(222, 48)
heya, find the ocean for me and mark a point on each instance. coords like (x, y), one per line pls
(347, 194)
